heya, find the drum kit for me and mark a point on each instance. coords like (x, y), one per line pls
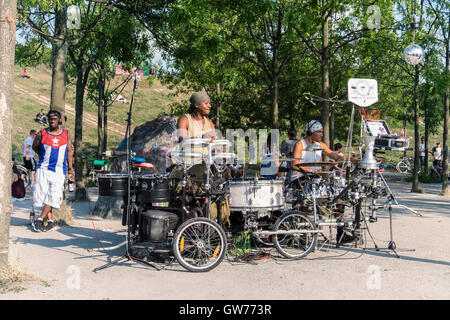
(171, 215)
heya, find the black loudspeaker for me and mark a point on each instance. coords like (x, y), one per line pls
(155, 225)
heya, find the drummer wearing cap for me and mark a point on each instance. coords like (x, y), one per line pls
(195, 123)
(310, 149)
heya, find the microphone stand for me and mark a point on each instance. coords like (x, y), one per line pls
(391, 246)
(127, 254)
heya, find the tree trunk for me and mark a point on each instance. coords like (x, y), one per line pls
(415, 181)
(275, 98)
(59, 54)
(218, 106)
(325, 113)
(105, 127)
(101, 87)
(7, 45)
(445, 190)
(332, 127)
(80, 191)
(332, 113)
(426, 135)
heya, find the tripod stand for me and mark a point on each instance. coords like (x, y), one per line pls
(391, 246)
(127, 255)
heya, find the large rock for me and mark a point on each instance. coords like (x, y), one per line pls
(152, 141)
(109, 207)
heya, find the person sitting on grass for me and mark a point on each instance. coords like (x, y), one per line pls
(25, 74)
(435, 168)
(41, 117)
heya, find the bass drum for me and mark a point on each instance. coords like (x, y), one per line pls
(256, 195)
(112, 184)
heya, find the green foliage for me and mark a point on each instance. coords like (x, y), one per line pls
(32, 53)
(425, 178)
(237, 50)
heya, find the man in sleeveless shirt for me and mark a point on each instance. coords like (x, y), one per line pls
(54, 147)
(310, 149)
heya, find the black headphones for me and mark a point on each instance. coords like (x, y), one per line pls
(308, 128)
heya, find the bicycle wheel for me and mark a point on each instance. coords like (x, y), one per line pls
(25, 174)
(199, 244)
(402, 167)
(297, 245)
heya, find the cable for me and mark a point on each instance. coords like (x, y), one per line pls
(93, 225)
(127, 255)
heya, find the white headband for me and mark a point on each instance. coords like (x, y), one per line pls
(313, 126)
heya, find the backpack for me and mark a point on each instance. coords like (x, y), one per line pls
(18, 189)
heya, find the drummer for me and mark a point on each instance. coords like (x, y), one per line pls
(195, 124)
(309, 149)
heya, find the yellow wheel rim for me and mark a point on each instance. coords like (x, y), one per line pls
(182, 244)
(216, 251)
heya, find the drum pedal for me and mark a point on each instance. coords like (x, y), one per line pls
(373, 219)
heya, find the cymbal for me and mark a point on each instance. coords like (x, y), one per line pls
(313, 149)
(282, 159)
(324, 173)
(353, 160)
(288, 159)
(318, 164)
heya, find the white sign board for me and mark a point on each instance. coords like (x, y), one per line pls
(363, 92)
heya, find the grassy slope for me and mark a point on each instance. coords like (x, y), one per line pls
(148, 103)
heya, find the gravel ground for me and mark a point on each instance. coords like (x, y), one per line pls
(63, 267)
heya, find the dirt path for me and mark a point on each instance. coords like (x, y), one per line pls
(64, 266)
(88, 118)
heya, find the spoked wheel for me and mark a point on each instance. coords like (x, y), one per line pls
(199, 244)
(402, 167)
(295, 245)
(25, 174)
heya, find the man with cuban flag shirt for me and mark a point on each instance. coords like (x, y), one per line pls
(54, 147)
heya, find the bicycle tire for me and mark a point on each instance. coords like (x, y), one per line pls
(199, 244)
(294, 246)
(24, 171)
(402, 167)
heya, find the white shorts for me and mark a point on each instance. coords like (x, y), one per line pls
(48, 189)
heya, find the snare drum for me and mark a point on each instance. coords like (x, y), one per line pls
(112, 184)
(256, 195)
(152, 190)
